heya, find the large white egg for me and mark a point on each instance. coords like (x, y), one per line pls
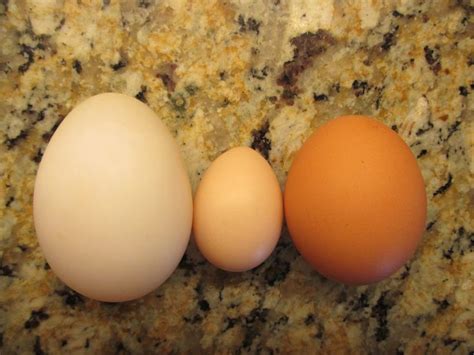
(112, 200)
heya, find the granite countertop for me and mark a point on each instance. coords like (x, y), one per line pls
(262, 74)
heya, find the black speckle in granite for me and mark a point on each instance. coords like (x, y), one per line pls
(105, 3)
(47, 136)
(423, 130)
(257, 315)
(188, 268)
(250, 335)
(9, 201)
(223, 75)
(396, 14)
(399, 352)
(46, 266)
(288, 96)
(394, 128)
(35, 318)
(360, 87)
(144, 3)
(1, 339)
(260, 142)
(277, 271)
(61, 24)
(141, 95)
(12, 142)
(443, 188)
(309, 319)
(259, 74)
(452, 129)
(87, 344)
(320, 333)
(442, 305)
(306, 47)
(122, 63)
(167, 75)
(71, 298)
(29, 55)
(430, 225)
(195, 319)
(380, 312)
(379, 91)
(76, 64)
(250, 25)
(120, 348)
(40, 116)
(389, 39)
(22, 247)
(406, 272)
(38, 156)
(231, 322)
(37, 347)
(361, 303)
(452, 343)
(226, 102)
(463, 91)
(423, 152)
(204, 305)
(6, 270)
(432, 57)
(320, 97)
(63, 343)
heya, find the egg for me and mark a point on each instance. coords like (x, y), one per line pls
(355, 200)
(112, 200)
(238, 211)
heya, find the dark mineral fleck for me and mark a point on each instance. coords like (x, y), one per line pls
(443, 188)
(463, 91)
(204, 305)
(6, 270)
(320, 97)
(35, 318)
(360, 87)
(260, 142)
(167, 75)
(122, 63)
(307, 46)
(70, 297)
(433, 58)
(12, 142)
(37, 347)
(77, 66)
(141, 95)
(250, 24)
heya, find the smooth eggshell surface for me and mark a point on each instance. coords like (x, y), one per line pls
(355, 200)
(238, 211)
(112, 200)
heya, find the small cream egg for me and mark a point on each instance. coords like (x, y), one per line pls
(238, 211)
(112, 200)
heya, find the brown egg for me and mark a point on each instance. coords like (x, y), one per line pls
(355, 200)
(238, 211)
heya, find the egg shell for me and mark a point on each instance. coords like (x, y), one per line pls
(238, 211)
(355, 200)
(112, 200)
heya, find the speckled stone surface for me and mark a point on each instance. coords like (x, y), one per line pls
(228, 73)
